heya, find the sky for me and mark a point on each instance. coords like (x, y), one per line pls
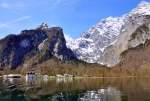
(74, 16)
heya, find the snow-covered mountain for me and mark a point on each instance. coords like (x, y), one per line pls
(104, 42)
(91, 44)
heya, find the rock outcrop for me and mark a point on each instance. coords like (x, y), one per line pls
(41, 43)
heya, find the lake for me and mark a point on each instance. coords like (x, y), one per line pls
(83, 89)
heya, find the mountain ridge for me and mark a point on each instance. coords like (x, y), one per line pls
(90, 47)
(42, 42)
(102, 45)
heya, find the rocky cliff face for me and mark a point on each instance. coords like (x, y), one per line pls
(41, 43)
(105, 42)
(90, 46)
(134, 33)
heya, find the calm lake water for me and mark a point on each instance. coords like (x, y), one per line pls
(85, 89)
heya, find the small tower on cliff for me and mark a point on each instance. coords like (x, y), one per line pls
(43, 26)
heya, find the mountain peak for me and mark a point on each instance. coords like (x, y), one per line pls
(143, 3)
(143, 8)
(93, 45)
(41, 44)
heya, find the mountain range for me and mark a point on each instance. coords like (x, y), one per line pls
(112, 42)
(104, 42)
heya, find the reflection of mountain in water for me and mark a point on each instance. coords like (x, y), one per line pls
(109, 94)
(11, 90)
(66, 96)
(106, 89)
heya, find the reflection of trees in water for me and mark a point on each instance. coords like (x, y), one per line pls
(11, 90)
(131, 89)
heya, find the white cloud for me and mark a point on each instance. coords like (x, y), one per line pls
(11, 5)
(58, 3)
(4, 5)
(25, 4)
(9, 23)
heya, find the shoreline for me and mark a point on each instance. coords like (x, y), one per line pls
(83, 77)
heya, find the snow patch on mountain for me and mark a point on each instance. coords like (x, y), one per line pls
(142, 9)
(92, 45)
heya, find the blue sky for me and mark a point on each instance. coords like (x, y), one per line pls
(74, 16)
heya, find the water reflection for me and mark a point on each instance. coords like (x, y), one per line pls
(109, 94)
(64, 80)
(110, 89)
